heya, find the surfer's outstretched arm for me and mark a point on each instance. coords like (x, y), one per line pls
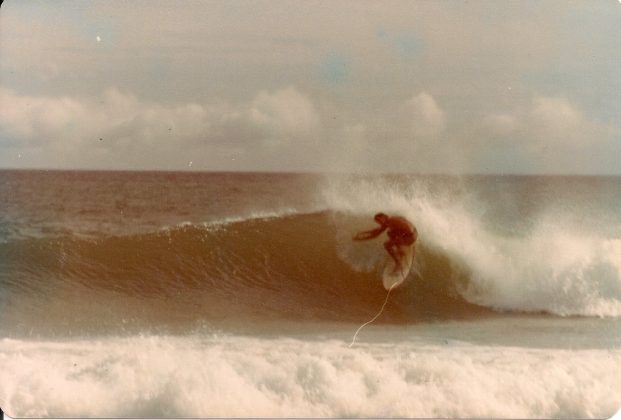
(369, 234)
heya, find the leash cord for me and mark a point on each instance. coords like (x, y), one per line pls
(374, 318)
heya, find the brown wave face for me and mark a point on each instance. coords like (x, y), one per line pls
(301, 267)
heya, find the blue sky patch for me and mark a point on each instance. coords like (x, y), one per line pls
(334, 69)
(407, 44)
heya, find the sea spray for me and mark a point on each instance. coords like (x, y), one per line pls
(533, 266)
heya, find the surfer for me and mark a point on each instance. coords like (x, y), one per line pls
(400, 233)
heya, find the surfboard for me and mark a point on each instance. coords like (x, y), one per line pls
(391, 277)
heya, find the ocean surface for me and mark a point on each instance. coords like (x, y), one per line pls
(161, 294)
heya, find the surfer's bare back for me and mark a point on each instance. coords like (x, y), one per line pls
(400, 233)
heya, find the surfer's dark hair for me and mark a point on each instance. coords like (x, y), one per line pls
(382, 215)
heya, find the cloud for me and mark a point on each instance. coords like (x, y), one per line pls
(500, 124)
(555, 120)
(34, 119)
(550, 134)
(120, 123)
(41, 120)
(284, 129)
(547, 121)
(414, 139)
(427, 119)
(284, 113)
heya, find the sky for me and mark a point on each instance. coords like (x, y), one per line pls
(490, 87)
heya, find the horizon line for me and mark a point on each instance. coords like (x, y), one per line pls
(314, 172)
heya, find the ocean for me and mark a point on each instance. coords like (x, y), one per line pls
(181, 294)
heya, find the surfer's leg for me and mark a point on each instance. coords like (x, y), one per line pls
(393, 251)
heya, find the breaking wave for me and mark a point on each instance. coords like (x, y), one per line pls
(305, 266)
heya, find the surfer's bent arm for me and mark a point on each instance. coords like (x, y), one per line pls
(370, 234)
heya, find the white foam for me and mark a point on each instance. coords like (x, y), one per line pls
(221, 223)
(554, 267)
(257, 215)
(155, 376)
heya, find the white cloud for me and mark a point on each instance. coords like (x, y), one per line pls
(427, 144)
(501, 124)
(547, 121)
(33, 119)
(426, 118)
(120, 123)
(556, 120)
(416, 139)
(284, 112)
(551, 134)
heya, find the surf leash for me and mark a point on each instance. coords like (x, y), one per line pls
(374, 318)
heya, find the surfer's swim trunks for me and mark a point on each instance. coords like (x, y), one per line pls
(403, 237)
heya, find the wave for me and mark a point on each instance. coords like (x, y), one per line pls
(295, 267)
(228, 376)
(305, 266)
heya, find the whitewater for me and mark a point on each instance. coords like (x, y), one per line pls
(223, 376)
(510, 271)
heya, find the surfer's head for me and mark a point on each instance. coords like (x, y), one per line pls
(381, 218)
